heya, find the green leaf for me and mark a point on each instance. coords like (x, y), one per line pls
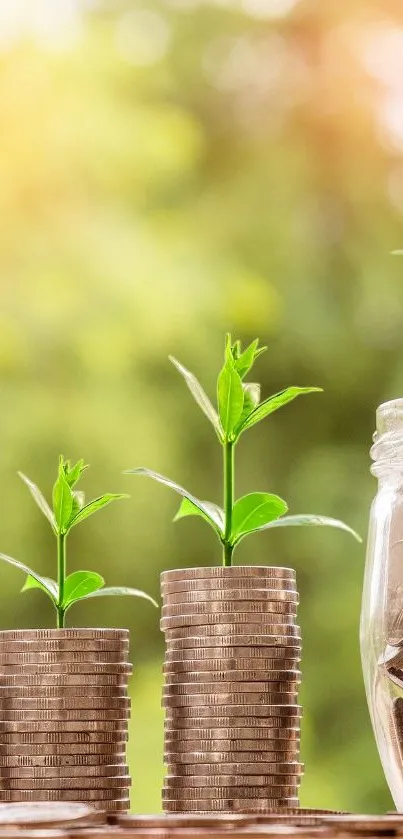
(119, 591)
(199, 395)
(95, 505)
(45, 583)
(79, 585)
(204, 506)
(251, 398)
(62, 501)
(311, 521)
(253, 511)
(73, 474)
(273, 403)
(78, 502)
(246, 359)
(188, 508)
(236, 350)
(230, 398)
(40, 500)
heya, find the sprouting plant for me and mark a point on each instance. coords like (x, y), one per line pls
(69, 509)
(238, 409)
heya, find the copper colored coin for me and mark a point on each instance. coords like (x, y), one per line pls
(261, 733)
(224, 572)
(233, 757)
(228, 698)
(73, 656)
(266, 628)
(289, 646)
(61, 794)
(207, 653)
(228, 780)
(244, 791)
(287, 711)
(191, 688)
(270, 666)
(289, 750)
(100, 771)
(238, 805)
(67, 668)
(65, 783)
(104, 683)
(112, 806)
(56, 725)
(64, 702)
(64, 737)
(238, 595)
(236, 618)
(89, 634)
(285, 678)
(242, 583)
(118, 749)
(42, 757)
(212, 607)
(257, 767)
(56, 645)
(15, 692)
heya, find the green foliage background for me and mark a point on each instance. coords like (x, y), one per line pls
(169, 171)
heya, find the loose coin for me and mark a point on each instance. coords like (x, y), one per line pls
(65, 680)
(224, 572)
(243, 791)
(66, 668)
(15, 692)
(260, 618)
(243, 583)
(60, 645)
(247, 733)
(289, 646)
(73, 656)
(104, 771)
(64, 634)
(286, 678)
(230, 607)
(195, 782)
(39, 757)
(53, 726)
(118, 750)
(232, 653)
(65, 737)
(259, 767)
(236, 698)
(288, 750)
(68, 703)
(233, 757)
(191, 688)
(261, 628)
(61, 794)
(65, 783)
(247, 594)
(270, 666)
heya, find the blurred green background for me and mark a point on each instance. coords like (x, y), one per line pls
(170, 170)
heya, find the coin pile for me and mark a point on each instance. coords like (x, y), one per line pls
(231, 679)
(64, 712)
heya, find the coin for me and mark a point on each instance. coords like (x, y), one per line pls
(237, 805)
(233, 653)
(243, 791)
(68, 703)
(57, 725)
(232, 744)
(40, 756)
(66, 668)
(104, 771)
(67, 645)
(70, 715)
(83, 633)
(73, 656)
(66, 680)
(224, 571)
(61, 794)
(230, 607)
(186, 720)
(15, 692)
(273, 584)
(190, 688)
(279, 711)
(266, 629)
(228, 780)
(233, 757)
(231, 665)
(65, 783)
(289, 646)
(247, 733)
(145, 823)
(228, 698)
(244, 594)
(116, 749)
(112, 806)
(65, 737)
(257, 767)
(280, 677)
(235, 618)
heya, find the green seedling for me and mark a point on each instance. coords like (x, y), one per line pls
(239, 408)
(69, 509)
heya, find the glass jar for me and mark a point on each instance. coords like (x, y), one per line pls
(381, 633)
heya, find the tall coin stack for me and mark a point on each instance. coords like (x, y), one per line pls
(64, 711)
(232, 722)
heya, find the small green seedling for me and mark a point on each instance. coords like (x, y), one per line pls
(69, 509)
(238, 409)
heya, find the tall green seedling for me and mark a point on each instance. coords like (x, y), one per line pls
(239, 408)
(69, 508)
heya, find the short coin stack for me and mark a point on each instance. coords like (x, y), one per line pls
(64, 711)
(232, 724)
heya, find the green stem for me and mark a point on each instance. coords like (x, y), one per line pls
(229, 449)
(61, 576)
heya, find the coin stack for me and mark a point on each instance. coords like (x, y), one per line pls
(232, 722)
(64, 712)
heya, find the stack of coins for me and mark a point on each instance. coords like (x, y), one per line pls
(232, 722)
(64, 712)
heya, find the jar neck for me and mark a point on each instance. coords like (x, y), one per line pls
(387, 449)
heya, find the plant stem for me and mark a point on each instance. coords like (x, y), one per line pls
(229, 449)
(61, 576)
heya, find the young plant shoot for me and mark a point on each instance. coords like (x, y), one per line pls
(69, 509)
(238, 409)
